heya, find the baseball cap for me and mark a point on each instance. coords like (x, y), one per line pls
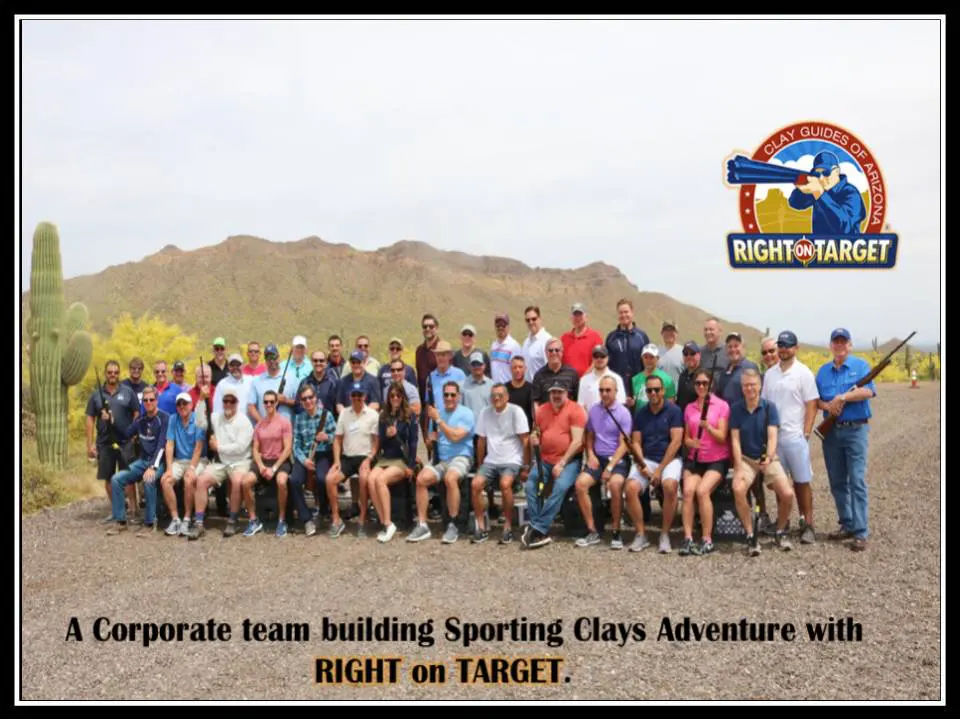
(219, 342)
(271, 349)
(786, 339)
(734, 336)
(468, 328)
(840, 332)
(599, 350)
(691, 347)
(557, 384)
(668, 324)
(356, 355)
(825, 161)
(442, 346)
(234, 358)
(577, 307)
(395, 340)
(184, 397)
(358, 389)
(476, 358)
(502, 317)
(179, 365)
(299, 340)
(228, 391)
(651, 349)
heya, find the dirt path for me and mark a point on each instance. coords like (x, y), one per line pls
(69, 568)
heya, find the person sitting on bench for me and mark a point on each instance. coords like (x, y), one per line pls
(272, 448)
(398, 433)
(354, 448)
(313, 432)
(186, 446)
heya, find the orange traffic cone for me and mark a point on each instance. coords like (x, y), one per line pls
(913, 380)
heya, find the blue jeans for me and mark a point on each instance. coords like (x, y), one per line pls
(845, 454)
(541, 515)
(132, 475)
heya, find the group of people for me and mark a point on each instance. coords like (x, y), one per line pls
(553, 415)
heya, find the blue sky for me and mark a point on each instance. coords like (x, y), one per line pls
(558, 143)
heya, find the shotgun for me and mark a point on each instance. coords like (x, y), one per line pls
(541, 492)
(211, 454)
(105, 404)
(706, 406)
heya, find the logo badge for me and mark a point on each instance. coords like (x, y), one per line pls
(811, 196)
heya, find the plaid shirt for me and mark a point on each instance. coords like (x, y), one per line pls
(305, 428)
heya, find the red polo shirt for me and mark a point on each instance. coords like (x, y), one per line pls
(578, 350)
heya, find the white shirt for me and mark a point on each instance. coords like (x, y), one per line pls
(502, 430)
(241, 386)
(357, 430)
(790, 391)
(501, 354)
(535, 352)
(589, 392)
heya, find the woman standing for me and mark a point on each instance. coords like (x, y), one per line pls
(707, 461)
(398, 454)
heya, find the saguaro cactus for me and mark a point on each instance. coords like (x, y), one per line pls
(60, 349)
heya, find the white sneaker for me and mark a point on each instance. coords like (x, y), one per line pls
(387, 534)
(173, 529)
(664, 543)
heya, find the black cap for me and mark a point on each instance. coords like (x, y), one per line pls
(179, 365)
(558, 384)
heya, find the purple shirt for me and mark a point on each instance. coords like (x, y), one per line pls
(606, 434)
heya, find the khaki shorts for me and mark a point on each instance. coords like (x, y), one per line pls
(220, 472)
(180, 467)
(384, 463)
(749, 471)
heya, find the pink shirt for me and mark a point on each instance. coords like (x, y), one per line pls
(254, 372)
(271, 435)
(710, 449)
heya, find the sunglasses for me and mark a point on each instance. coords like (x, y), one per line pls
(689, 354)
(219, 348)
(269, 402)
(323, 361)
(702, 383)
(363, 347)
(530, 319)
(229, 400)
(654, 390)
(183, 403)
(466, 334)
(395, 348)
(272, 356)
(428, 327)
(308, 397)
(149, 399)
(396, 369)
(449, 394)
(555, 350)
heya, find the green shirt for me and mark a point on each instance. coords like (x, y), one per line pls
(640, 386)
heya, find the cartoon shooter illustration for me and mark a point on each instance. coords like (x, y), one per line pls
(837, 205)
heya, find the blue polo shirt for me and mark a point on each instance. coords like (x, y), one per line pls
(752, 428)
(185, 438)
(437, 380)
(655, 429)
(461, 417)
(833, 380)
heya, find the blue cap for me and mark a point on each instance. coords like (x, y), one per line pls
(825, 161)
(358, 389)
(692, 347)
(356, 355)
(271, 349)
(840, 332)
(787, 339)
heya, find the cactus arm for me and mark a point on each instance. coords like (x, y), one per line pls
(76, 358)
(77, 316)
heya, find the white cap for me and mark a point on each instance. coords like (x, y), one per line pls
(651, 349)
(234, 358)
(228, 390)
(299, 340)
(185, 396)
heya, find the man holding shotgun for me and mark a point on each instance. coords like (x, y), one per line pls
(845, 446)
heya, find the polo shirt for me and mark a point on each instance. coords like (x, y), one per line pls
(263, 383)
(370, 385)
(751, 425)
(640, 386)
(501, 355)
(729, 381)
(707, 354)
(555, 428)
(833, 380)
(476, 395)
(357, 430)
(606, 434)
(578, 349)
(437, 380)
(185, 438)
(460, 418)
(671, 361)
(462, 361)
(710, 449)
(123, 403)
(654, 429)
(545, 377)
(522, 396)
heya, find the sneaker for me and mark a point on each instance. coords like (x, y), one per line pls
(706, 547)
(501, 519)
(783, 541)
(688, 548)
(859, 544)
(336, 529)
(185, 525)
(640, 542)
(196, 531)
(664, 547)
(480, 537)
(116, 529)
(310, 527)
(591, 539)
(108, 520)
(539, 539)
(281, 529)
(808, 536)
(451, 535)
(147, 531)
(253, 526)
(616, 542)
(506, 537)
(387, 534)
(230, 529)
(525, 537)
(419, 533)
(753, 546)
(361, 531)
(173, 529)
(840, 534)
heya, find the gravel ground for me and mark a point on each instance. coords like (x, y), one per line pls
(69, 568)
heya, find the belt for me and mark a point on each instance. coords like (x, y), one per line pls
(852, 422)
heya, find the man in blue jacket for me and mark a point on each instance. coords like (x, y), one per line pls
(151, 428)
(625, 348)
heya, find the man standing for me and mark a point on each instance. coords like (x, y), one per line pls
(370, 364)
(218, 365)
(254, 366)
(791, 387)
(135, 380)
(271, 380)
(397, 369)
(503, 349)
(671, 355)
(468, 345)
(455, 430)
(395, 347)
(712, 347)
(336, 362)
(535, 345)
(152, 430)
(476, 388)
(768, 353)
(358, 375)
(120, 400)
(845, 446)
(236, 380)
(608, 422)
(202, 387)
(503, 452)
(559, 435)
(325, 385)
(625, 345)
(550, 373)
(520, 390)
(588, 393)
(299, 365)
(579, 342)
(728, 383)
(650, 357)
(167, 401)
(686, 392)
(426, 358)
